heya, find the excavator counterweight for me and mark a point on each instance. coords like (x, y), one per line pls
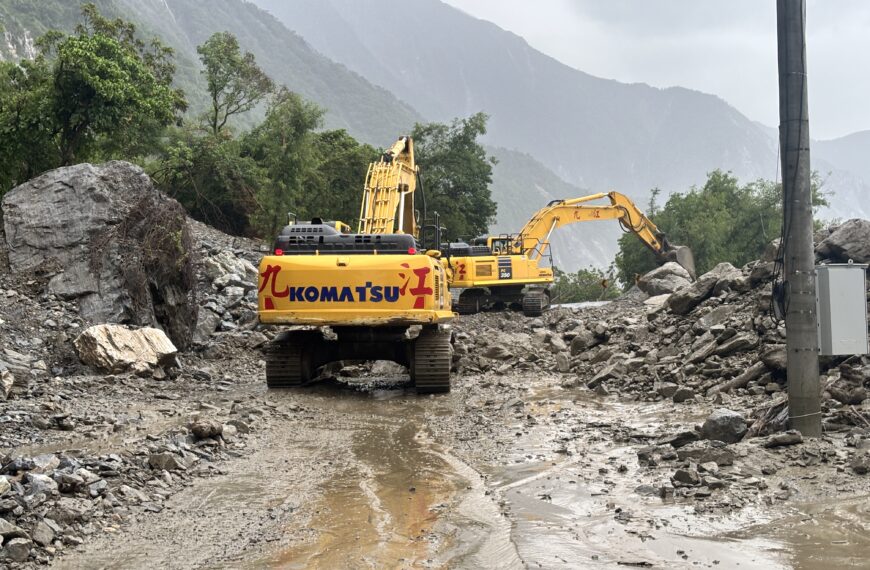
(359, 296)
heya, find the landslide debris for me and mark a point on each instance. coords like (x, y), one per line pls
(84, 247)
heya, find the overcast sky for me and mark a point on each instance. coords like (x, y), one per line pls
(725, 47)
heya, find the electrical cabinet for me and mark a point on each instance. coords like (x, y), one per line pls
(841, 301)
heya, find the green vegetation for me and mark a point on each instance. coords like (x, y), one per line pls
(104, 93)
(456, 174)
(101, 93)
(236, 84)
(589, 284)
(721, 221)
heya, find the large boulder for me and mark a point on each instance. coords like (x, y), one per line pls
(665, 279)
(723, 275)
(117, 348)
(724, 425)
(850, 240)
(109, 240)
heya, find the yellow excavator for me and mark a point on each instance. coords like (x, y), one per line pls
(359, 295)
(507, 269)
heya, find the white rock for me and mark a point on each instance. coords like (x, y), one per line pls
(117, 348)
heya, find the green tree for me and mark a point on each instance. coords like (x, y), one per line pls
(456, 174)
(236, 84)
(283, 147)
(721, 221)
(588, 284)
(212, 179)
(333, 186)
(100, 93)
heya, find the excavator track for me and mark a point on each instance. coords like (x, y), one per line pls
(534, 303)
(287, 363)
(470, 301)
(430, 365)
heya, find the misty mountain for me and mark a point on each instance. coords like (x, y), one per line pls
(595, 133)
(522, 186)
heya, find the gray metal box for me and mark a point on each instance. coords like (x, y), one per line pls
(841, 300)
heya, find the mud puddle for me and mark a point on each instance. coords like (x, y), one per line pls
(578, 508)
(399, 499)
(831, 534)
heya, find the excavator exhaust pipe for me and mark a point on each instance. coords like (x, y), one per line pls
(684, 257)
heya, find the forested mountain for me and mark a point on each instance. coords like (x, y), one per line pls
(369, 113)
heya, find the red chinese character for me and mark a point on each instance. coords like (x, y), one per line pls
(271, 276)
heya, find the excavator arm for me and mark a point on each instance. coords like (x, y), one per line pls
(388, 195)
(534, 239)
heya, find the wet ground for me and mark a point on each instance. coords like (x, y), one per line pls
(505, 472)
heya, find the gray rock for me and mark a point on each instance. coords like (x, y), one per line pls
(790, 437)
(121, 246)
(584, 340)
(686, 477)
(206, 324)
(739, 343)
(40, 483)
(724, 425)
(563, 362)
(9, 530)
(706, 451)
(774, 356)
(851, 240)
(682, 394)
(7, 382)
(42, 534)
(225, 263)
(557, 344)
(5, 485)
(497, 352)
(665, 279)
(608, 372)
(18, 549)
(166, 461)
(681, 439)
(861, 463)
(667, 389)
(69, 510)
(683, 301)
(203, 428)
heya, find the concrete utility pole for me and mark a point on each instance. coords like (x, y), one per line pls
(802, 340)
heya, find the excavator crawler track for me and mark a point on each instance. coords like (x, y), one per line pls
(430, 365)
(470, 301)
(534, 303)
(287, 363)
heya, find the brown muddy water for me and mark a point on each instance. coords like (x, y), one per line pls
(358, 480)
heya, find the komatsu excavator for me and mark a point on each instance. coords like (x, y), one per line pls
(507, 269)
(358, 295)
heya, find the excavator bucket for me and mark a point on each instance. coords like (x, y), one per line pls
(683, 256)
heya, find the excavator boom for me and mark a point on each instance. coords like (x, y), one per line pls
(534, 239)
(508, 269)
(388, 195)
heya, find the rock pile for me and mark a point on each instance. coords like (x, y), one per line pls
(714, 342)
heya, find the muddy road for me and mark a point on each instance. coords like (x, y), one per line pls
(508, 471)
